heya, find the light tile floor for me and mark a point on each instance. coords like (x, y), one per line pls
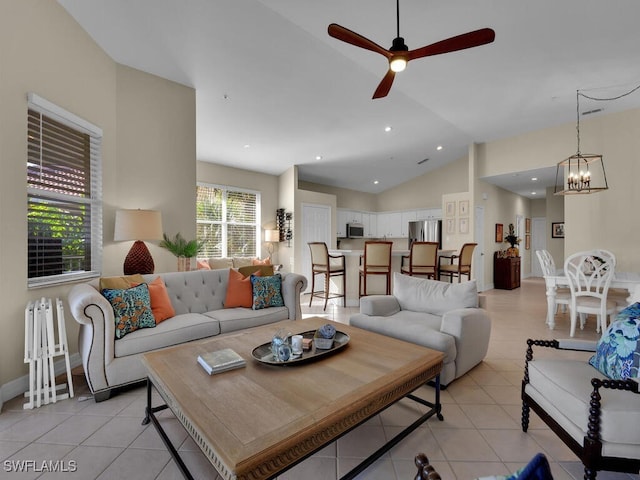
(479, 436)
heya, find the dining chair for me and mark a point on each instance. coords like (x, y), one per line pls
(422, 260)
(563, 294)
(329, 266)
(589, 275)
(375, 261)
(461, 267)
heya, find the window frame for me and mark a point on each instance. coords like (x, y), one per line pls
(94, 200)
(224, 223)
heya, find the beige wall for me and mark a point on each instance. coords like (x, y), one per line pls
(426, 190)
(591, 221)
(148, 149)
(345, 198)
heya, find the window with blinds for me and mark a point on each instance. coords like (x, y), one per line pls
(64, 213)
(228, 221)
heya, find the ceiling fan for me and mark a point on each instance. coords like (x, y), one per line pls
(399, 54)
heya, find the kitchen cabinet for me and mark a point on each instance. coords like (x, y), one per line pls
(405, 218)
(429, 214)
(370, 222)
(506, 272)
(390, 224)
(344, 216)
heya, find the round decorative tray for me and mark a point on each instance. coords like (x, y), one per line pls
(263, 353)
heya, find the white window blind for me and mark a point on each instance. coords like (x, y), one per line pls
(64, 192)
(228, 221)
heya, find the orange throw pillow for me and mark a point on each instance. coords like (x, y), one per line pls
(257, 261)
(160, 302)
(203, 265)
(239, 290)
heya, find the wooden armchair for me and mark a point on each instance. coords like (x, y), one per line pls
(596, 417)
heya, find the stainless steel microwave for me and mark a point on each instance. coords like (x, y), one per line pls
(355, 230)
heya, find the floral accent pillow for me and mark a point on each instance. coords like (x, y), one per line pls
(267, 291)
(131, 308)
(618, 351)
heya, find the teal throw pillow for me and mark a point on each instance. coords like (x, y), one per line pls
(617, 352)
(267, 291)
(131, 308)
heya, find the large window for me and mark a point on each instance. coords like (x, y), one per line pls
(64, 195)
(228, 221)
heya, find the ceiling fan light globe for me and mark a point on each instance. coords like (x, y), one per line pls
(398, 64)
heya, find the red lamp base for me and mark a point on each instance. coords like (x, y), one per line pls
(138, 260)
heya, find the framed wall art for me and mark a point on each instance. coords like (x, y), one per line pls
(499, 233)
(464, 225)
(557, 230)
(463, 207)
(450, 209)
(451, 226)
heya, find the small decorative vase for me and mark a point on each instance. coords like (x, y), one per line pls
(184, 264)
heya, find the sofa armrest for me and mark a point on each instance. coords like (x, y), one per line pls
(471, 329)
(292, 286)
(97, 332)
(379, 305)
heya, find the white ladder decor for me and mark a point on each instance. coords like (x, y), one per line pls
(40, 351)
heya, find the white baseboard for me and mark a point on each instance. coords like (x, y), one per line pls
(20, 385)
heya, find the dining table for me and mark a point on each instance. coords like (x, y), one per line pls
(629, 281)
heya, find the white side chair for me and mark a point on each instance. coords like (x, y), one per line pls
(562, 295)
(589, 275)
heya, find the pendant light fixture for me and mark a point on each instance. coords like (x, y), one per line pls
(581, 173)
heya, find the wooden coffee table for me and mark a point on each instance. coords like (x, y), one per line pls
(258, 421)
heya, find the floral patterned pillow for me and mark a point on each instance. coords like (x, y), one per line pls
(618, 351)
(267, 291)
(131, 308)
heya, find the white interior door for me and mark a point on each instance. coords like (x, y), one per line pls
(316, 227)
(538, 242)
(478, 253)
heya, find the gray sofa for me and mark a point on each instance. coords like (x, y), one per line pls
(197, 298)
(438, 315)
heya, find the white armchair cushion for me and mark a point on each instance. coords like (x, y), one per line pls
(431, 296)
(565, 386)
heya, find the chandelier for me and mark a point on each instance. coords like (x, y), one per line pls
(583, 172)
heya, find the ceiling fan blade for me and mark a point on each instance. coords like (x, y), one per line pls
(348, 36)
(459, 42)
(385, 85)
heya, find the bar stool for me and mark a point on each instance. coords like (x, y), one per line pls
(376, 261)
(322, 264)
(423, 260)
(462, 267)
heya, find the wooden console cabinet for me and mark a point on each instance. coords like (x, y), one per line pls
(506, 272)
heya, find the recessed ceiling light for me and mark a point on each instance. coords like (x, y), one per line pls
(376, 182)
(387, 128)
(534, 179)
(533, 193)
(246, 145)
(318, 157)
(439, 147)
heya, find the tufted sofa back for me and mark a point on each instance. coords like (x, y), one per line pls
(197, 291)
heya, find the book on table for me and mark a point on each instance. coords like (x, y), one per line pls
(220, 361)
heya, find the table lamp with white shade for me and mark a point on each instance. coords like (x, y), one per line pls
(271, 237)
(138, 225)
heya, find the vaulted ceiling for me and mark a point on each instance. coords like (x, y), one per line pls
(273, 89)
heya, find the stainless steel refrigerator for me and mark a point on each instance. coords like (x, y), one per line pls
(426, 231)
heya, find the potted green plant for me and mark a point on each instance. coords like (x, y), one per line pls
(513, 240)
(183, 249)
